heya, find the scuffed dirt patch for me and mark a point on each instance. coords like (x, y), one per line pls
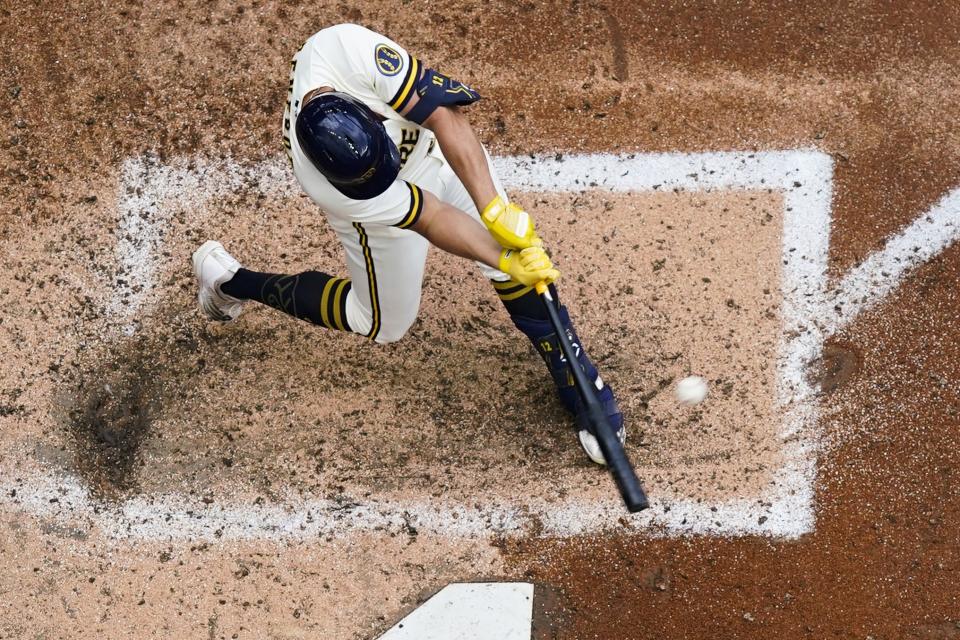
(121, 389)
(113, 413)
(838, 363)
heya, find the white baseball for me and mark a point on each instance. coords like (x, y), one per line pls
(691, 390)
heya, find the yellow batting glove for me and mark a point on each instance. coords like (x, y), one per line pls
(528, 266)
(509, 225)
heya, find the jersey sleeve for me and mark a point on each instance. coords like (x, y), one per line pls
(384, 66)
(397, 89)
(399, 206)
(394, 76)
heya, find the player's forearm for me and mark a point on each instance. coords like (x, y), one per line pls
(455, 232)
(464, 153)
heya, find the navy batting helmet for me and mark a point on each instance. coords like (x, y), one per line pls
(348, 144)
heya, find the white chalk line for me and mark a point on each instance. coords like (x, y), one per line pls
(149, 191)
(810, 312)
(785, 510)
(150, 194)
(879, 274)
(172, 517)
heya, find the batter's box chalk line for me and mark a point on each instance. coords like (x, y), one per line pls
(149, 191)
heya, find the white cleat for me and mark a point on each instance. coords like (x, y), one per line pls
(213, 266)
(614, 418)
(591, 445)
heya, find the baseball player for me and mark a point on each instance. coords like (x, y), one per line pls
(379, 142)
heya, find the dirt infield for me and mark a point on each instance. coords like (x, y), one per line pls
(165, 477)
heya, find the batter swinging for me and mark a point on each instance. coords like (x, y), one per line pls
(379, 143)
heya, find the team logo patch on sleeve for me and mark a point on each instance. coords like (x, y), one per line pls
(389, 62)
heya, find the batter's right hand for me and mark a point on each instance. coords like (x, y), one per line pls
(509, 225)
(529, 266)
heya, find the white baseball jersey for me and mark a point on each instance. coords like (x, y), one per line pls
(384, 258)
(378, 72)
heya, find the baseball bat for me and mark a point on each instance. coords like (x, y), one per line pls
(617, 462)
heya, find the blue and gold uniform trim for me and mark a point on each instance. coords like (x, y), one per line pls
(416, 207)
(333, 304)
(435, 90)
(511, 289)
(371, 281)
(402, 97)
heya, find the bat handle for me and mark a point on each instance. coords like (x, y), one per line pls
(543, 290)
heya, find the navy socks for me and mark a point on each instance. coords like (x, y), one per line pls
(312, 296)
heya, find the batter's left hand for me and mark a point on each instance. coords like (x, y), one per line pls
(510, 226)
(529, 266)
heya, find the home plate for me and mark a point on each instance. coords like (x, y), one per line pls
(470, 611)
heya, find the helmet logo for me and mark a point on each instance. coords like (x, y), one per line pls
(389, 62)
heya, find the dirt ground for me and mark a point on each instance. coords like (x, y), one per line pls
(121, 398)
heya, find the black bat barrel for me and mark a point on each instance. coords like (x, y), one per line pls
(617, 462)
